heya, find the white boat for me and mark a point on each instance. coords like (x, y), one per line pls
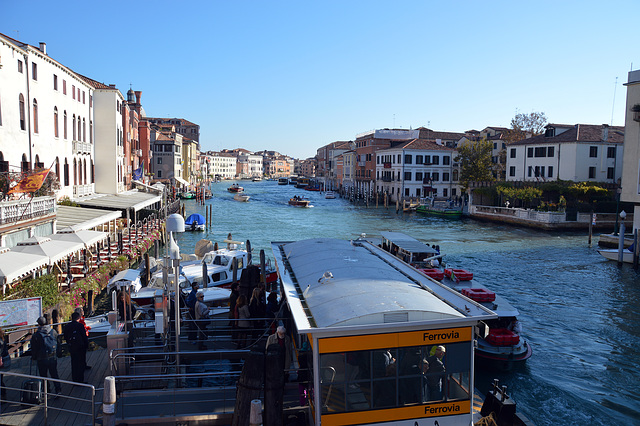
(329, 195)
(500, 342)
(283, 181)
(241, 197)
(612, 254)
(256, 179)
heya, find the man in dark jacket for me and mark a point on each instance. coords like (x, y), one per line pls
(43, 350)
(191, 304)
(76, 337)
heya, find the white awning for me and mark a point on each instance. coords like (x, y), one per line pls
(182, 181)
(43, 246)
(83, 236)
(83, 217)
(14, 266)
(127, 200)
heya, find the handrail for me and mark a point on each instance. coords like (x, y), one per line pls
(46, 381)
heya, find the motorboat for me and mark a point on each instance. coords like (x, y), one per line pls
(430, 207)
(330, 195)
(299, 202)
(187, 195)
(256, 179)
(195, 222)
(283, 181)
(235, 188)
(241, 197)
(613, 254)
(500, 342)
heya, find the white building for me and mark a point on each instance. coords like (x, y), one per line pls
(580, 153)
(109, 106)
(222, 165)
(631, 167)
(250, 165)
(46, 117)
(418, 168)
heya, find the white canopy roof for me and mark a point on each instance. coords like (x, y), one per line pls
(182, 181)
(16, 265)
(84, 236)
(44, 246)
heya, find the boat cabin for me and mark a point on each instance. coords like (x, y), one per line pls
(408, 248)
(385, 348)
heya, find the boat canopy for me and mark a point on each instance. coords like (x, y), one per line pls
(407, 243)
(196, 218)
(328, 271)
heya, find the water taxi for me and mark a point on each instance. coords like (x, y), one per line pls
(297, 201)
(500, 342)
(235, 188)
(429, 206)
(241, 197)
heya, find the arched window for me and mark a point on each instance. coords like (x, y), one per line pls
(84, 167)
(35, 116)
(55, 122)
(24, 166)
(79, 129)
(84, 131)
(455, 175)
(23, 123)
(90, 131)
(73, 128)
(66, 172)
(64, 124)
(75, 172)
(38, 164)
(57, 169)
(79, 172)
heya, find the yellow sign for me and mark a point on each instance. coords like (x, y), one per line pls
(395, 340)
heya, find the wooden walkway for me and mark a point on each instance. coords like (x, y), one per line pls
(74, 398)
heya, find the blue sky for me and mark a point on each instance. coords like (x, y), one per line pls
(294, 76)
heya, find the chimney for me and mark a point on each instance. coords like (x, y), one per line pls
(605, 132)
(138, 96)
(43, 47)
(112, 86)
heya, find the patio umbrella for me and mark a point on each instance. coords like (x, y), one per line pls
(44, 246)
(87, 237)
(14, 266)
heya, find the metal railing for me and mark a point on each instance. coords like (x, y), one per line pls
(46, 397)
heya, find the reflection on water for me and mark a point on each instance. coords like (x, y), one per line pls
(580, 313)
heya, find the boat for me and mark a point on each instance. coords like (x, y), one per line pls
(283, 181)
(443, 209)
(293, 180)
(187, 195)
(302, 182)
(379, 335)
(256, 179)
(208, 194)
(241, 197)
(126, 278)
(613, 254)
(329, 195)
(500, 342)
(235, 188)
(195, 222)
(299, 202)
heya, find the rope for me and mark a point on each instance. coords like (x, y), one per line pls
(487, 421)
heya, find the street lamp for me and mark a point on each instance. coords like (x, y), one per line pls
(175, 223)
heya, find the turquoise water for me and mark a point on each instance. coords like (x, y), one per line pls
(580, 313)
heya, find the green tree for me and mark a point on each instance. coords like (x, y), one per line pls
(524, 126)
(475, 162)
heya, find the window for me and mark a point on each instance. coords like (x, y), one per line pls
(592, 172)
(529, 152)
(419, 159)
(55, 122)
(446, 160)
(536, 171)
(73, 128)
(435, 160)
(90, 131)
(64, 87)
(35, 116)
(550, 151)
(84, 131)
(427, 159)
(79, 129)
(78, 94)
(66, 173)
(611, 173)
(419, 176)
(75, 172)
(611, 152)
(399, 159)
(34, 71)
(540, 152)
(530, 172)
(435, 176)
(495, 146)
(550, 171)
(512, 153)
(55, 82)
(445, 177)
(57, 169)
(444, 192)
(83, 96)
(73, 91)
(23, 124)
(406, 192)
(407, 159)
(159, 160)
(512, 170)
(64, 124)
(159, 173)
(20, 66)
(593, 151)
(541, 171)
(407, 176)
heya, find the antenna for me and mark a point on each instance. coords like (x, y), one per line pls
(614, 100)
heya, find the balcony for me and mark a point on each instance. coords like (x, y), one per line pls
(138, 152)
(387, 179)
(79, 147)
(387, 165)
(120, 151)
(15, 211)
(82, 190)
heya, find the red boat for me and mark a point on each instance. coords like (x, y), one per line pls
(458, 274)
(235, 188)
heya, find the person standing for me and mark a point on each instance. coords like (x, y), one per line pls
(80, 311)
(434, 374)
(74, 334)
(257, 309)
(43, 350)
(244, 321)
(202, 319)
(191, 300)
(282, 344)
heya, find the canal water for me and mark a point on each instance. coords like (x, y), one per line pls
(580, 313)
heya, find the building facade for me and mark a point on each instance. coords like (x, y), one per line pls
(631, 163)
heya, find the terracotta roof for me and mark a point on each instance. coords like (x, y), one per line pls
(96, 84)
(182, 121)
(433, 135)
(578, 133)
(420, 144)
